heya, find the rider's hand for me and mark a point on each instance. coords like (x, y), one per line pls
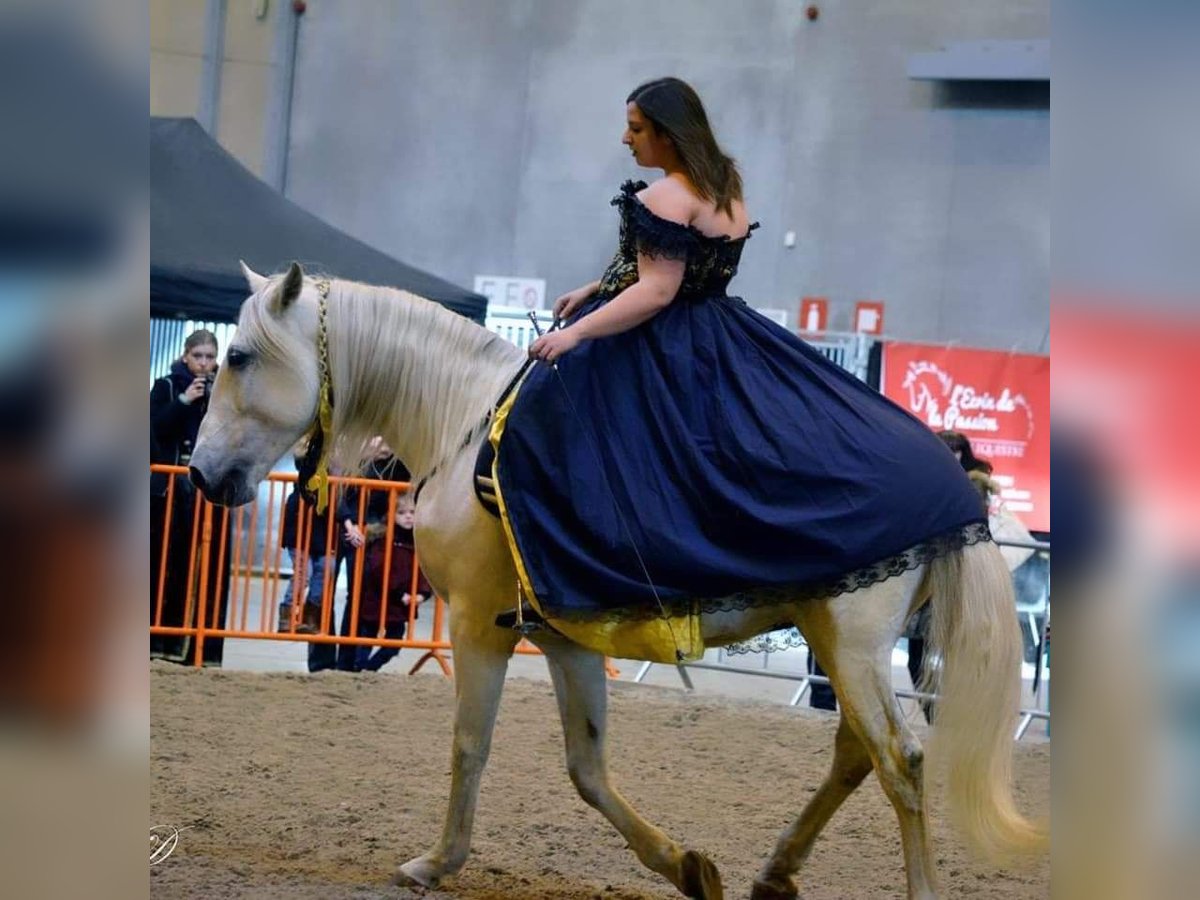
(549, 347)
(566, 305)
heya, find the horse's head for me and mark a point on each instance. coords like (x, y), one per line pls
(265, 395)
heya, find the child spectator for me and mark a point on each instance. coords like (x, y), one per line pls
(398, 579)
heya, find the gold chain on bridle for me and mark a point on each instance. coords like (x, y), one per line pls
(321, 428)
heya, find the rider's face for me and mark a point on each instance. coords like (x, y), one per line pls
(642, 138)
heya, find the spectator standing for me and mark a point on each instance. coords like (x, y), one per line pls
(382, 465)
(306, 538)
(820, 694)
(178, 402)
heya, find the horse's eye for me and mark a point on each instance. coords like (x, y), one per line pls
(236, 359)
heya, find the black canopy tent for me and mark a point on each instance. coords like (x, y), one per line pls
(207, 212)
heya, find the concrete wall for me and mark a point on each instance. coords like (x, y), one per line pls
(179, 43)
(468, 137)
(1126, 132)
(176, 56)
(246, 73)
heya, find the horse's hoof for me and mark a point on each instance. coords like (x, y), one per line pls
(781, 889)
(417, 872)
(701, 880)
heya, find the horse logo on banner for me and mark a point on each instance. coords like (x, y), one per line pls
(941, 402)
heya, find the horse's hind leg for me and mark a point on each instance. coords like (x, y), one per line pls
(582, 692)
(852, 636)
(851, 764)
(481, 654)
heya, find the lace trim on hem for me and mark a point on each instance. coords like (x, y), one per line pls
(918, 555)
(787, 637)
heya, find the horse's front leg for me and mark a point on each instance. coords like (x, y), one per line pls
(481, 654)
(582, 691)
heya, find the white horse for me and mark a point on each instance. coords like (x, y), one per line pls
(424, 378)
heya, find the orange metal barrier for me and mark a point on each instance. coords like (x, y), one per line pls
(247, 567)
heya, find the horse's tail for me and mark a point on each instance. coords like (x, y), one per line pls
(974, 630)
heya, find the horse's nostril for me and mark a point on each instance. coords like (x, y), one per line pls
(197, 478)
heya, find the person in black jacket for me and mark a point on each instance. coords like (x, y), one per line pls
(178, 401)
(382, 466)
(315, 556)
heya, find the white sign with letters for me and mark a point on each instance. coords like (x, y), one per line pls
(508, 290)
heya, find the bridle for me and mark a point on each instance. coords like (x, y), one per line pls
(314, 468)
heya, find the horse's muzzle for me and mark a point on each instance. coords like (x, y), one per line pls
(231, 489)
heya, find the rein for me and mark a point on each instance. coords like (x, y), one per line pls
(482, 425)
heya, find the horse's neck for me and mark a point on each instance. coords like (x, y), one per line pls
(456, 387)
(442, 378)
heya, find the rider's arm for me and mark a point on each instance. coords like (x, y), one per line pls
(658, 282)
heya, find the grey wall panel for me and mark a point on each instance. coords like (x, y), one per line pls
(469, 137)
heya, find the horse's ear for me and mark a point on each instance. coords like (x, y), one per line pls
(289, 288)
(256, 281)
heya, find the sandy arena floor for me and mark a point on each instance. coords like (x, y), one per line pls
(315, 787)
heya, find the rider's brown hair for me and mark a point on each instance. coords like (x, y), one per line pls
(675, 110)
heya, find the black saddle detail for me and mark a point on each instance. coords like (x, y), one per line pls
(531, 620)
(485, 487)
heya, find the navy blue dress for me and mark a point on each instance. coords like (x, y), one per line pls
(710, 459)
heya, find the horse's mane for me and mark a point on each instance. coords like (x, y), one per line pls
(403, 365)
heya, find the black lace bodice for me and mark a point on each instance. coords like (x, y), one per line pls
(711, 261)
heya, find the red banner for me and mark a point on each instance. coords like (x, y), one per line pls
(1000, 401)
(1123, 375)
